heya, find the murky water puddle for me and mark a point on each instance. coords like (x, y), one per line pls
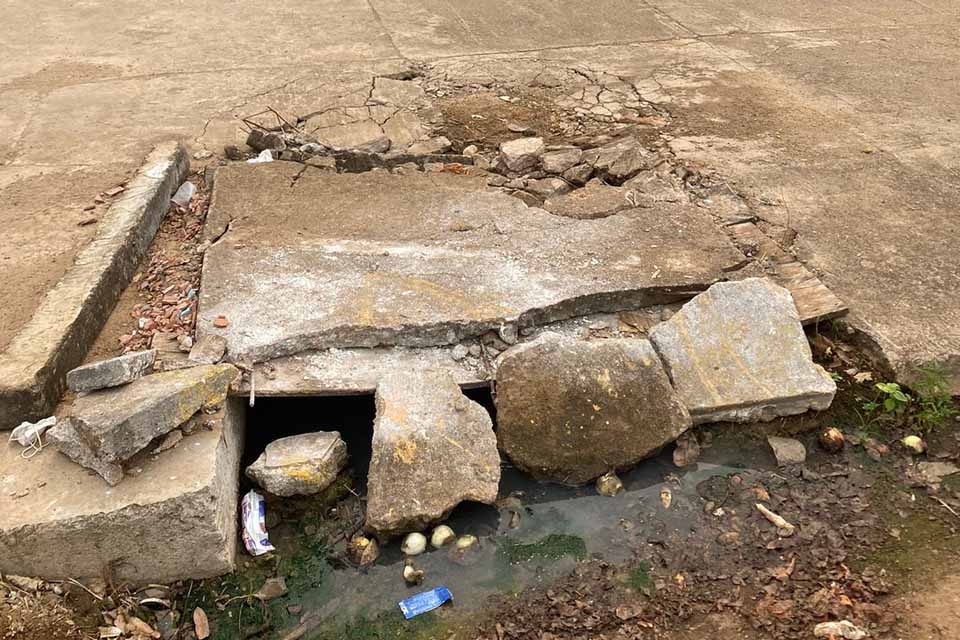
(537, 533)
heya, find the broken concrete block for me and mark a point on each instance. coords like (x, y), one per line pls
(570, 410)
(548, 187)
(787, 451)
(112, 372)
(108, 427)
(174, 518)
(737, 352)
(300, 465)
(433, 448)
(578, 175)
(428, 147)
(521, 154)
(208, 349)
(561, 160)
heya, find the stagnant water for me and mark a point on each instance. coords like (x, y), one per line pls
(537, 532)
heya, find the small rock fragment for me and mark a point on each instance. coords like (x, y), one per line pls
(839, 629)
(432, 146)
(559, 161)
(169, 441)
(579, 174)
(934, 472)
(521, 154)
(832, 440)
(221, 322)
(787, 450)
(201, 626)
(111, 373)
(380, 144)
(414, 544)
(609, 484)
(304, 464)
(272, 589)
(209, 349)
(459, 352)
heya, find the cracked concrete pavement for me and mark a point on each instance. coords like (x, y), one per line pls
(840, 117)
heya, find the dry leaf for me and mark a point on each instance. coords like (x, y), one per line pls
(783, 572)
(136, 625)
(201, 626)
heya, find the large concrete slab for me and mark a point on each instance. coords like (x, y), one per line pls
(364, 260)
(173, 520)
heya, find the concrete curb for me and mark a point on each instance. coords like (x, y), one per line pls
(34, 367)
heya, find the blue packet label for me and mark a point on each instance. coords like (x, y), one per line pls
(423, 602)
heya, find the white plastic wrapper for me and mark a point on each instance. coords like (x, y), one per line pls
(30, 435)
(253, 516)
(265, 156)
(182, 197)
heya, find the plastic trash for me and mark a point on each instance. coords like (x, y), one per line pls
(30, 435)
(423, 602)
(183, 195)
(253, 514)
(265, 156)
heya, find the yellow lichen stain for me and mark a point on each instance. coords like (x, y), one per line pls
(604, 380)
(405, 451)
(431, 294)
(303, 473)
(597, 407)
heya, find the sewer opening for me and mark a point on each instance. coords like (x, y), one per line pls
(272, 418)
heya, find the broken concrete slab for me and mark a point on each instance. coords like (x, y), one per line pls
(300, 465)
(174, 517)
(787, 451)
(357, 371)
(522, 154)
(108, 427)
(433, 448)
(737, 352)
(570, 410)
(208, 349)
(426, 260)
(111, 373)
(33, 369)
(560, 160)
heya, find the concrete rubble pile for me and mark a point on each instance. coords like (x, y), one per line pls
(109, 426)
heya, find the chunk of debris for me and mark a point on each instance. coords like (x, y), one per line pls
(364, 550)
(687, 450)
(272, 589)
(111, 373)
(431, 146)
(934, 472)
(784, 528)
(609, 485)
(208, 349)
(570, 410)
(412, 575)
(109, 426)
(737, 352)
(832, 440)
(839, 629)
(415, 477)
(787, 451)
(561, 160)
(595, 200)
(297, 465)
(522, 154)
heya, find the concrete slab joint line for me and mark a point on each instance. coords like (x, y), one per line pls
(55, 340)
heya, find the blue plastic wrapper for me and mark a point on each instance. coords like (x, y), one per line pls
(423, 602)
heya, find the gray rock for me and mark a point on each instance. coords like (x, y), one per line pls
(579, 174)
(471, 150)
(522, 154)
(787, 450)
(111, 373)
(548, 187)
(416, 476)
(109, 426)
(208, 349)
(300, 465)
(561, 160)
(570, 410)
(934, 472)
(459, 352)
(620, 159)
(737, 352)
(427, 147)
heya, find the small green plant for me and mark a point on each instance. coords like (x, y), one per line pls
(891, 399)
(836, 377)
(639, 578)
(934, 403)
